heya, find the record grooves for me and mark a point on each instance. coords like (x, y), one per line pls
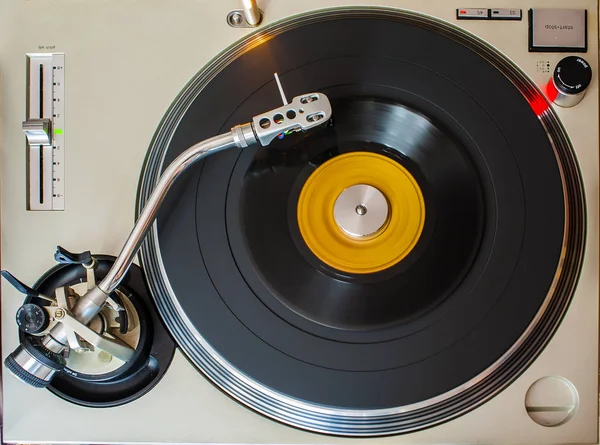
(406, 347)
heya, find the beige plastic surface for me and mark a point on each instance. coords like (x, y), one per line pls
(126, 60)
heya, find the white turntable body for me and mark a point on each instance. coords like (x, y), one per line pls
(125, 62)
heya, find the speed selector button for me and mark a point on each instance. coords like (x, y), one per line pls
(571, 77)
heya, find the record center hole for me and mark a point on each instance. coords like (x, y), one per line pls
(361, 209)
(291, 114)
(278, 118)
(264, 123)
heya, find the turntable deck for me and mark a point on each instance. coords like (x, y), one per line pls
(492, 180)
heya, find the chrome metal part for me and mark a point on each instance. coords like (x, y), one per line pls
(89, 305)
(90, 274)
(68, 327)
(146, 219)
(84, 310)
(51, 344)
(237, 19)
(250, 16)
(59, 312)
(112, 303)
(361, 210)
(243, 135)
(90, 270)
(304, 113)
(114, 347)
(564, 99)
(31, 365)
(38, 131)
(95, 361)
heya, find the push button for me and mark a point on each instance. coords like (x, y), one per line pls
(558, 30)
(506, 14)
(472, 13)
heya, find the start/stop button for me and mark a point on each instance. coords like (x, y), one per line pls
(558, 30)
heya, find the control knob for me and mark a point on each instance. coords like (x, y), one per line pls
(571, 77)
(32, 319)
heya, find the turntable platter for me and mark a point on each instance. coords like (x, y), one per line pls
(311, 339)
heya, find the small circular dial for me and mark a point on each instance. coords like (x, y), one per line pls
(32, 319)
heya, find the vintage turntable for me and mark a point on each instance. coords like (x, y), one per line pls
(422, 266)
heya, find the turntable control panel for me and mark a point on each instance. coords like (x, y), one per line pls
(44, 129)
(410, 262)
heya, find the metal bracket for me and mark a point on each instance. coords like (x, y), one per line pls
(114, 347)
(73, 327)
(237, 19)
(63, 307)
(302, 114)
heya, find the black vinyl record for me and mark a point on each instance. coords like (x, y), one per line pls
(406, 347)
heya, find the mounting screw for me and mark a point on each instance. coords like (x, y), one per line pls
(236, 19)
(59, 313)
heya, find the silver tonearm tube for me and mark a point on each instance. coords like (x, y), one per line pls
(302, 114)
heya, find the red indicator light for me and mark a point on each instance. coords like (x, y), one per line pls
(462, 11)
(551, 91)
(538, 104)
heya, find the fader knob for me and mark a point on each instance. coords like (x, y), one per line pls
(571, 77)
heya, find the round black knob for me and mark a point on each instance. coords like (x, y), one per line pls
(32, 318)
(571, 77)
